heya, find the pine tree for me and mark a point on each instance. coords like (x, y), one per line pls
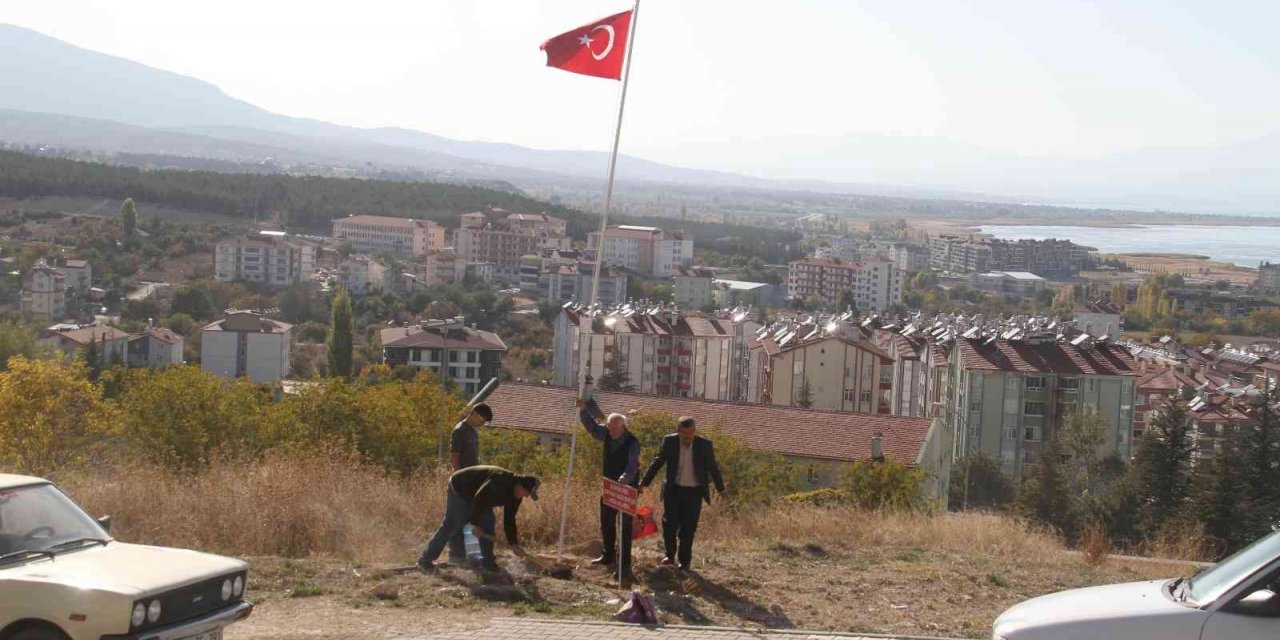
(91, 356)
(129, 217)
(615, 378)
(1043, 495)
(1161, 470)
(1216, 497)
(341, 337)
(804, 397)
(1259, 475)
(977, 482)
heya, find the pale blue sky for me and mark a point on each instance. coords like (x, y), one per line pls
(714, 77)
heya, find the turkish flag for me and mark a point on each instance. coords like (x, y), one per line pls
(595, 49)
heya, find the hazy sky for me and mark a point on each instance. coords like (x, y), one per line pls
(1061, 77)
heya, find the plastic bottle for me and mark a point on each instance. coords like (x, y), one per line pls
(472, 544)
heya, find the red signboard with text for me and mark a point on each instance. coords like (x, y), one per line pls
(620, 496)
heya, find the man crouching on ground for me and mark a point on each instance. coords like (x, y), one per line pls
(471, 496)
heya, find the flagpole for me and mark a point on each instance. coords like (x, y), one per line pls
(595, 278)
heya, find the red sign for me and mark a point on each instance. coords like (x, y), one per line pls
(620, 496)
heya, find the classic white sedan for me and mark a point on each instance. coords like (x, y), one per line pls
(63, 578)
(1235, 599)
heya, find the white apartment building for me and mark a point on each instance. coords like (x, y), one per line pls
(244, 343)
(407, 237)
(572, 283)
(447, 347)
(155, 347)
(662, 352)
(693, 287)
(363, 275)
(819, 365)
(44, 293)
(876, 283)
(269, 257)
(647, 250)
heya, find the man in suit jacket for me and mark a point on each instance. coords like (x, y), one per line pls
(691, 468)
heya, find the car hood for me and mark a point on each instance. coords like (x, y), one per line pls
(129, 569)
(1108, 607)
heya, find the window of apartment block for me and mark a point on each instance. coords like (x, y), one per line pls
(865, 396)
(811, 475)
(1035, 383)
(975, 405)
(1069, 383)
(886, 373)
(417, 355)
(1031, 434)
(1033, 409)
(453, 357)
(848, 395)
(471, 356)
(453, 372)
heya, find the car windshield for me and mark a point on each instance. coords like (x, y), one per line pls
(39, 517)
(1218, 579)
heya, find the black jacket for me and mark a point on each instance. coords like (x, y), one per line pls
(705, 468)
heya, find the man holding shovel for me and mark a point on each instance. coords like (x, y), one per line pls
(464, 451)
(471, 496)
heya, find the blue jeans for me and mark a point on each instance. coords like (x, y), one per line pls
(457, 512)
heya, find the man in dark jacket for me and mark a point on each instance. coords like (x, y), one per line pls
(464, 451)
(691, 468)
(472, 494)
(622, 463)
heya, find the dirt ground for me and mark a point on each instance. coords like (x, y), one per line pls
(907, 590)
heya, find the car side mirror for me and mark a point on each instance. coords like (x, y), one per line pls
(105, 523)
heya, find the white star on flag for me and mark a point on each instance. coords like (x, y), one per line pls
(585, 40)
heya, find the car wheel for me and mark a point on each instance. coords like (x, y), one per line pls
(38, 633)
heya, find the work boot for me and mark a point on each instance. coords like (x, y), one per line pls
(604, 561)
(427, 567)
(666, 560)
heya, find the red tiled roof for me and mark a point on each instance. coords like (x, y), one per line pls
(93, 333)
(788, 431)
(827, 262)
(1049, 357)
(1167, 380)
(465, 338)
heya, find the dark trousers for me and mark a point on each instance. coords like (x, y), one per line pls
(681, 508)
(609, 535)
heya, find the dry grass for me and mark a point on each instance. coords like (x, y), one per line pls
(314, 504)
(320, 528)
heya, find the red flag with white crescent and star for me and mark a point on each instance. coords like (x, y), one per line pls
(595, 49)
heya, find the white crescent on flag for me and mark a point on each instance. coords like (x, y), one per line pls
(608, 48)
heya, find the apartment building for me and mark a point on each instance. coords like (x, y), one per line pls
(876, 283)
(1015, 284)
(363, 275)
(501, 238)
(820, 364)
(465, 354)
(406, 237)
(693, 288)
(661, 351)
(44, 293)
(646, 250)
(726, 294)
(112, 344)
(79, 275)
(1049, 258)
(246, 343)
(1269, 277)
(1099, 318)
(267, 257)
(572, 283)
(155, 347)
(1010, 396)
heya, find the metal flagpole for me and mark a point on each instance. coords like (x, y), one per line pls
(595, 278)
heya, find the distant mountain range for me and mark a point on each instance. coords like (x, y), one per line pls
(54, 93)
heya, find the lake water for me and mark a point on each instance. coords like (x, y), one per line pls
(1245, 246)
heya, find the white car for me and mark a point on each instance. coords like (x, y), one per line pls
(62, 577)
(1235, 599)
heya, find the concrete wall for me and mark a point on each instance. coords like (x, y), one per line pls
(218, 351)
(840, 376)
(267, 358)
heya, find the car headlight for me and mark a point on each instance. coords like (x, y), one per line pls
(139, 615)
(226, 589)
(238, 587)
(153, 611)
